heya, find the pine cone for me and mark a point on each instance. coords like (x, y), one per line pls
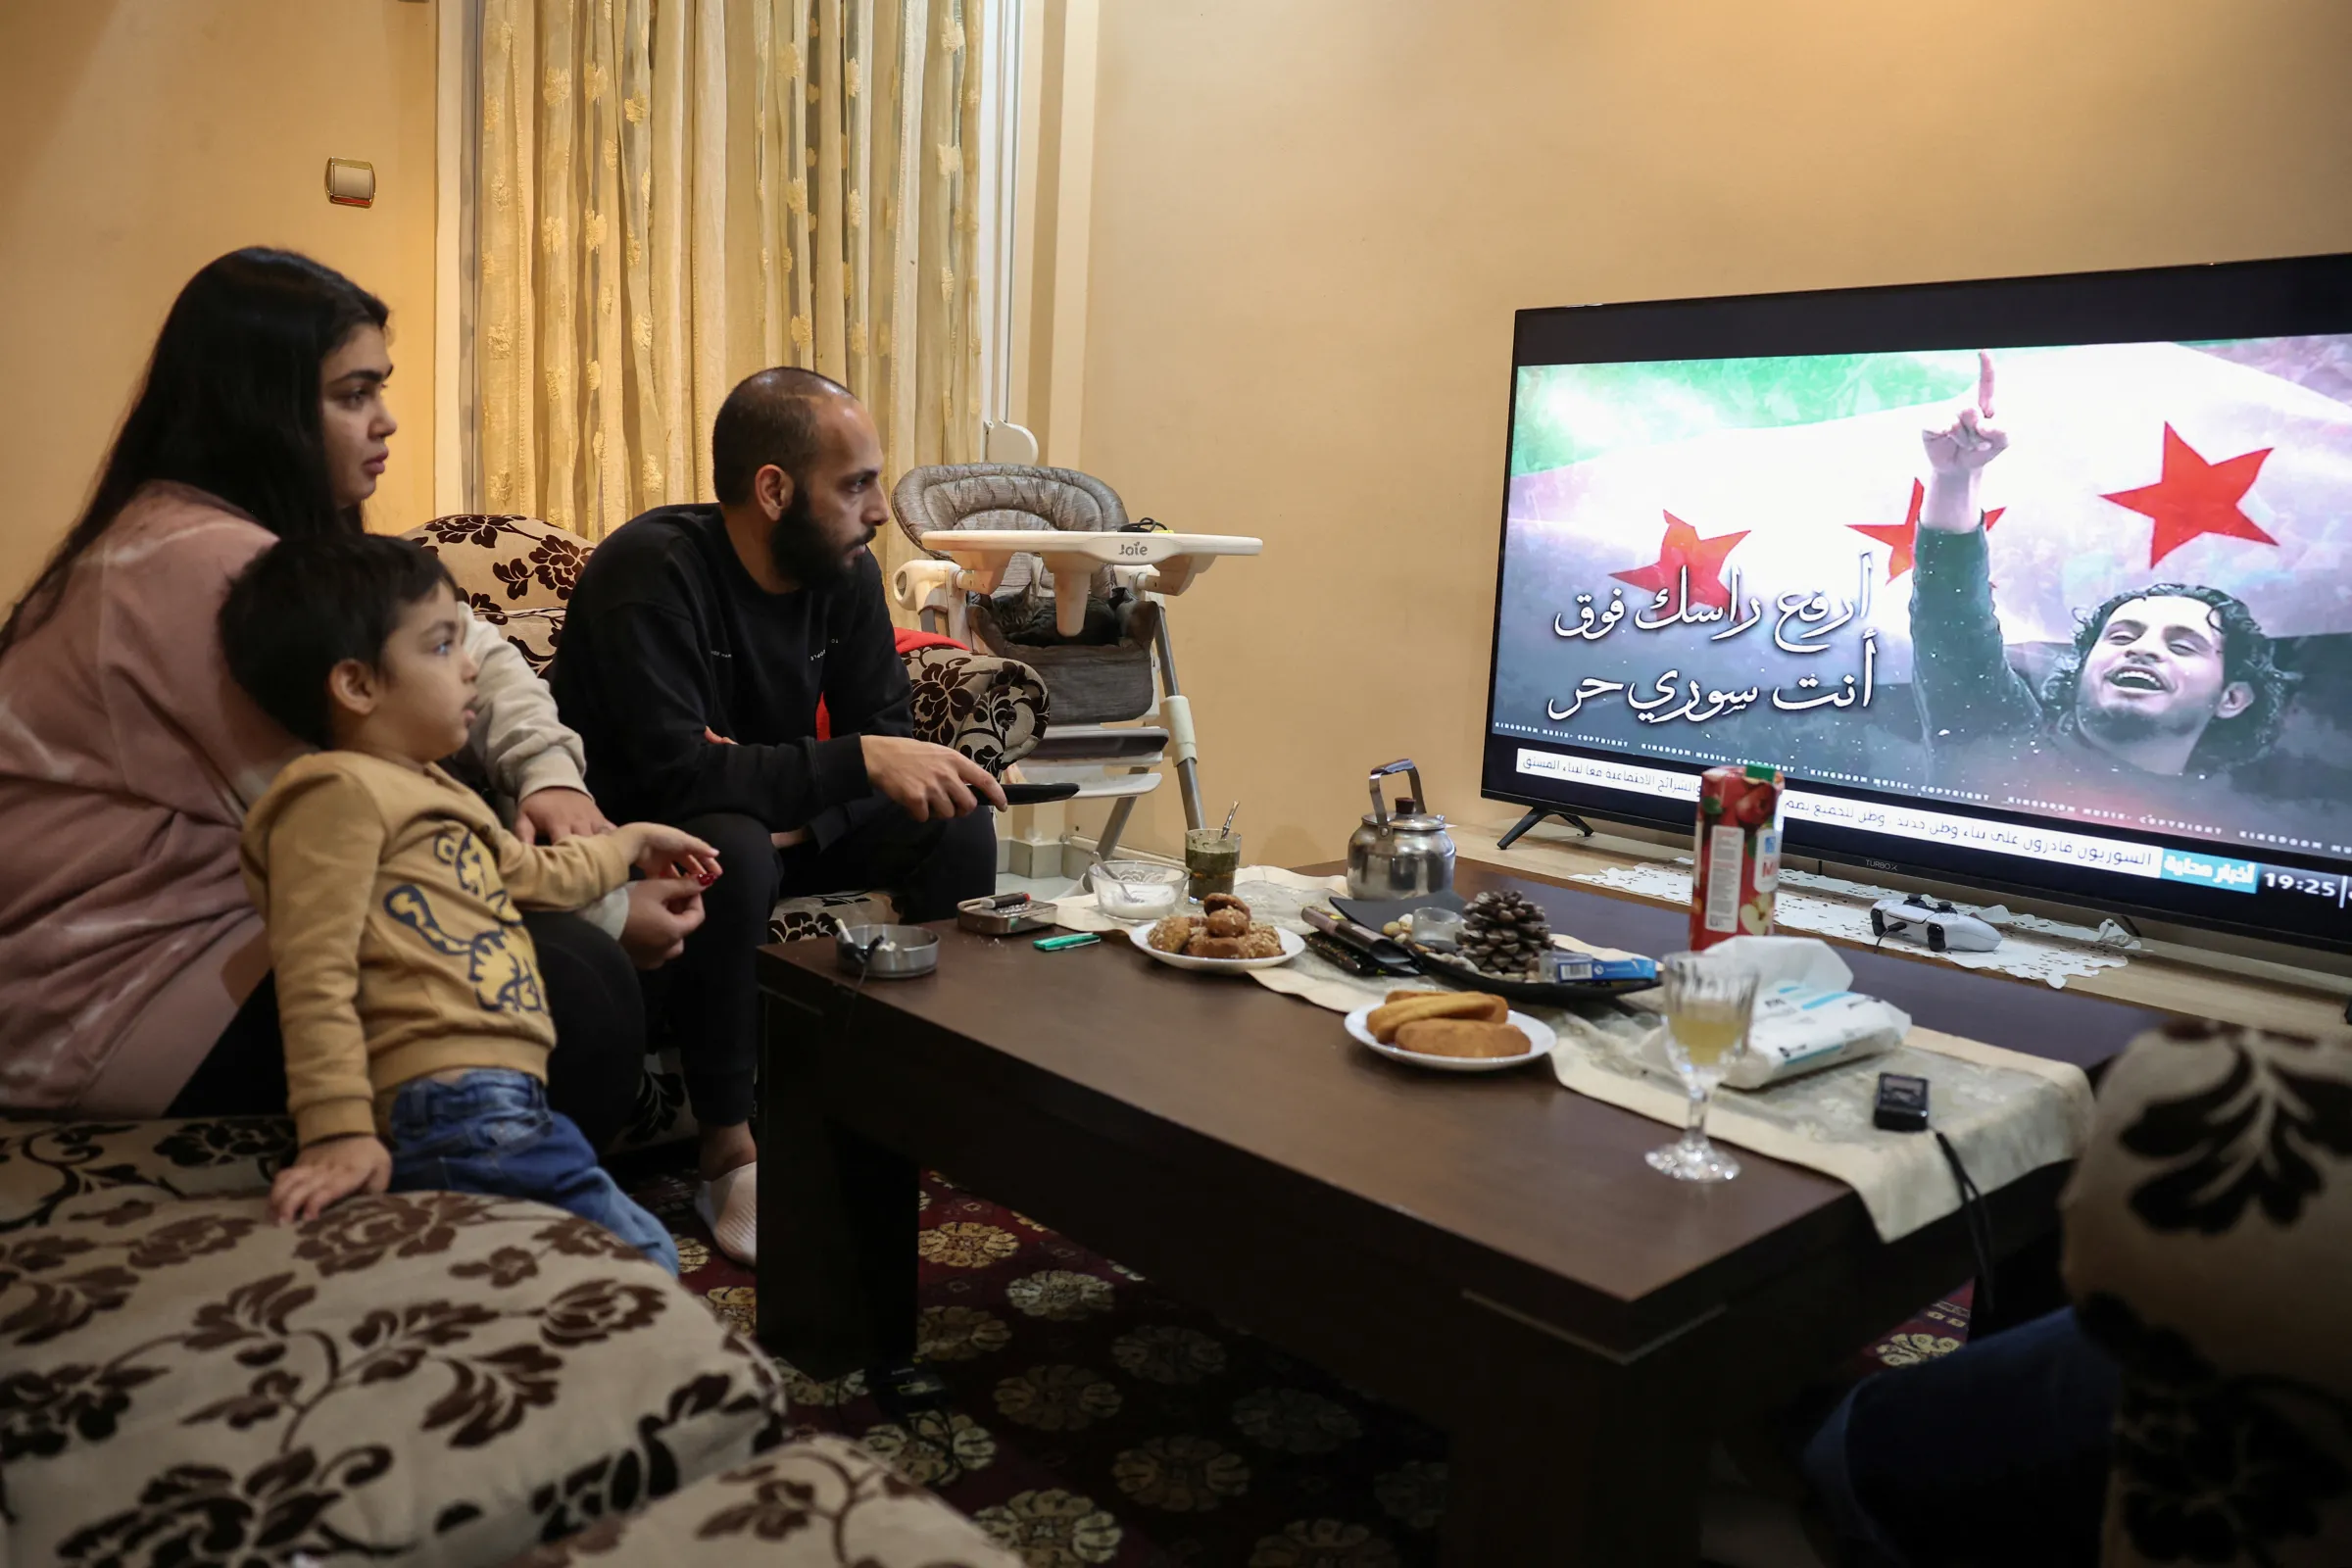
(1504, 934)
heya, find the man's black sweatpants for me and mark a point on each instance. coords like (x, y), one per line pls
(706, 1002)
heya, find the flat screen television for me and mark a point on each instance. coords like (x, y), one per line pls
(2042, 585)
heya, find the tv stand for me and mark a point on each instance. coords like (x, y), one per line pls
(1537, 813)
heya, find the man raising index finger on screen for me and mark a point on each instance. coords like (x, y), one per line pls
(2168, 681)
(699, 642)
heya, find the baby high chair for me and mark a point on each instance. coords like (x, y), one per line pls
(1041, 566)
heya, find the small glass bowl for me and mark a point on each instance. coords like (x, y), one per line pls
(1433, 927)
(1136, 890)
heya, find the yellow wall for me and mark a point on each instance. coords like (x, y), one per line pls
(139, 139)
(1312, 220)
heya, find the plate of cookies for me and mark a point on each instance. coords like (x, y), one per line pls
(1223, 938)
(1452, 1031)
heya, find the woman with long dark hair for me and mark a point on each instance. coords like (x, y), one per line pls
(132, 967)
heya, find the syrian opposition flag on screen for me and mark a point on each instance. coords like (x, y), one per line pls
(2128, 465)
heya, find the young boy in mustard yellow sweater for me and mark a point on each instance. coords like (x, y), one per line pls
(408, 990)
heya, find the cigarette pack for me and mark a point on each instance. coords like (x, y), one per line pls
(1736, 855)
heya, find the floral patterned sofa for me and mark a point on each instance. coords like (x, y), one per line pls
(2209, 1249)
(517, 574)
(414, 1378)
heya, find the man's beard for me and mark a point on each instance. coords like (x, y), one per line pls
(801, 551)
(2129, 725)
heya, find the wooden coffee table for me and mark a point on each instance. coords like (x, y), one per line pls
(1487, 1250)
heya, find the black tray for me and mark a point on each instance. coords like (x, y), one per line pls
(1435, 965)
(1543, 993)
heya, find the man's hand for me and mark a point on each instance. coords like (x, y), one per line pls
(558, 814)
(326, 1173)
(663, 911)
(926, 780)
(659, 850)
(1957, 454)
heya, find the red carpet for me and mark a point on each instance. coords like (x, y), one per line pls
(1094, 1420)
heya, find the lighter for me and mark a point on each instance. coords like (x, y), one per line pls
(1077, 939)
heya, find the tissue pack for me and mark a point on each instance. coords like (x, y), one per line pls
(1800, 1029)
(1805, 1018)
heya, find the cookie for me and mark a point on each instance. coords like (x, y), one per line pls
(1224, 900)
(1172, 933)
(1261, 943)
(1223, 923)
(1410, 1005)
(1461, 1037)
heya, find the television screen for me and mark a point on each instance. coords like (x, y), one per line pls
(2043, 584)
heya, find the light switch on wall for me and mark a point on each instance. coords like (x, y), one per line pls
(349, 184)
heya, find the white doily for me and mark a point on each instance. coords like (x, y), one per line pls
(1833, 907)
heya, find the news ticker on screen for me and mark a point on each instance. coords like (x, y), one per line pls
(2089, 851)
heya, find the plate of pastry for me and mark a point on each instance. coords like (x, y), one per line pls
(1224, 938)
(1452, 1031)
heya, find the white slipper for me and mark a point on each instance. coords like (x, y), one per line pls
(730, 1206)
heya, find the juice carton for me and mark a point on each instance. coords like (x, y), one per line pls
(1736, 855)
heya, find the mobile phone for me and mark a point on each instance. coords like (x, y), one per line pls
(1339, 953)
(1902, 1106)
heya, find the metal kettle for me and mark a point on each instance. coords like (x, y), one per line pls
(1401, 854)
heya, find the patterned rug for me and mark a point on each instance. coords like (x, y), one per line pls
(1093, 1419)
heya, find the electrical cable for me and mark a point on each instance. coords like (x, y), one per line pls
(1979, 1222)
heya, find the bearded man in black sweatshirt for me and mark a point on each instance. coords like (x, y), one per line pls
(697, 645)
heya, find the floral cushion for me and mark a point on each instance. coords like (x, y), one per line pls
(820, 1502)
(994, 710)
(536, 634)
(54, 1170)
(425, 1377)
(506, 562)
(803, 924)
(801, 919)
(2208, 1247)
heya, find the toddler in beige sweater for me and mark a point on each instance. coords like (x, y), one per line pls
(409, 993)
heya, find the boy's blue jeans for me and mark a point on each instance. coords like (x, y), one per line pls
(491, 1132)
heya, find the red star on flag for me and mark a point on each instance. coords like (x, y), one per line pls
(2195, 497)
(1899, 537)
(1683, 550)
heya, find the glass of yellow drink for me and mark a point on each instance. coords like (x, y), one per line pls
(1707, 1011)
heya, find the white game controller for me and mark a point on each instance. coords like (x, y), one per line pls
(1942, 926)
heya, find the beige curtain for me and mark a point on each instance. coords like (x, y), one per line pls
(672, 194)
